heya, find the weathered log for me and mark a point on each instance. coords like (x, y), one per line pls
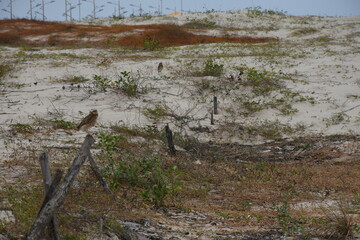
(58, 197)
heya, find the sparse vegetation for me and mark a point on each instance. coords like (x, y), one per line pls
(288, 223)
(261, 166)
(262, 82)
(24, 202)
(73, 79)
(336, 119)
(151, 44)
(149, 132)
(258, 12)
(269, 129)
(200, 23)
(304, 31)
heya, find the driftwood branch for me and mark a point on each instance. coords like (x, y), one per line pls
(49, 191)
(47, 211)
(52, 226)
(97, 172)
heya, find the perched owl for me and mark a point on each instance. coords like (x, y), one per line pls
(89, 121)
(160, 67)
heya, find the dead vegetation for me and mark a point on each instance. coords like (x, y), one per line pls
(284, 185)
(38, 33)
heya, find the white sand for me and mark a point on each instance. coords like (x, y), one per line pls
(326, 71)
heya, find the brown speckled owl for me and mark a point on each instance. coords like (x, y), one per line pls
(160, 67)
(89, 121)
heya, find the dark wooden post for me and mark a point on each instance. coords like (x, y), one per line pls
(215, 105)
(212, 118)
(47, 211)
(170, 141)
(45, 169)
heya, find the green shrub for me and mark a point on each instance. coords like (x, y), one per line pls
(127, 83)
(212, 69)
(108, 143)
(156, 181)
(101, 82)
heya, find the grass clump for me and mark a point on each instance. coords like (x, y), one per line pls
(74, 79)
(62, 124)
(5, 69)
(336, 119)
(338, 223)
(269, 129)
(145, 132)
(156, 113)
(21, 128)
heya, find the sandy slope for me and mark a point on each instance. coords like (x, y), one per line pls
(316, 58)
(328, 71)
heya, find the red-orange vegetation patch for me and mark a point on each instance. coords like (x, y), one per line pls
(38, 33)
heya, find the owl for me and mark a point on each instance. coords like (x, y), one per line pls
(160, 67)
(89, 121)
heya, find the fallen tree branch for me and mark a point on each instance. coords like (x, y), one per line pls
(47, 211)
